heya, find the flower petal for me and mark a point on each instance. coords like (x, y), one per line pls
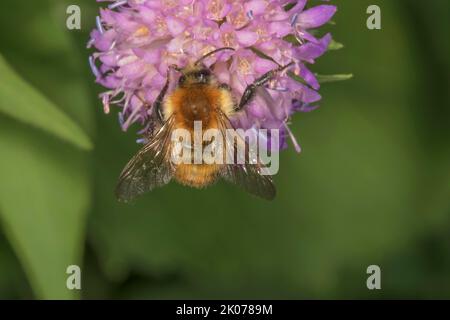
(316, 16)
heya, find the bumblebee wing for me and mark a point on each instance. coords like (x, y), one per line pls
(247, 175)
(149, 168)
(250, 179)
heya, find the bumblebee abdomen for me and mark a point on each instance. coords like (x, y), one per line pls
(197, 175)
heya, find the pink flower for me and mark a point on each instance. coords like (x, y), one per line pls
(137, 40)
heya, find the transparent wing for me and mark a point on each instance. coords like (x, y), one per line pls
(149, 168)
(249, 174)
(250, 179)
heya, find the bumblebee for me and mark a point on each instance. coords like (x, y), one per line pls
(198, 96)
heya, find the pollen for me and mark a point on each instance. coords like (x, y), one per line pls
(244, 66)
(239, 20)
(170, 3)
(161, 25)
(207, 49)
(142, 32)
(229, 39)
(262, 34)
(215, 9)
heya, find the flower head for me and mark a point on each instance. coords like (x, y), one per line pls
(137, 40)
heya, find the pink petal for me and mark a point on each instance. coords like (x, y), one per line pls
(247, 38)
(316, 16)
(175, 26)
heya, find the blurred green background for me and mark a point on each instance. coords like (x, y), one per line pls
(371, 187)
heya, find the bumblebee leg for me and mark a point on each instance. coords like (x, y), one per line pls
(160, 99)
(250, 91)
(157, 105)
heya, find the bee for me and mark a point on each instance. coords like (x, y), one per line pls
(198, 96)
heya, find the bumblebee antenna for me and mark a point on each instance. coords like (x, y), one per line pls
(211, 53)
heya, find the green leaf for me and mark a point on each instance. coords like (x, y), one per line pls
(21, 101)
(289, 6)
(45, 183)
(333, 78)
(334, 45)
(321, 78)
(13, 283)
(44, 197)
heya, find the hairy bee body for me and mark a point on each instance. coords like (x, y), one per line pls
(197, 102)
(197, 97)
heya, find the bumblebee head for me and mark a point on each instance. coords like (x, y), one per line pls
(200, 75)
